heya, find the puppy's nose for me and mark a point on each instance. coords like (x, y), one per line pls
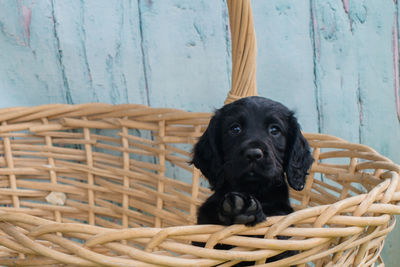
(254, 154)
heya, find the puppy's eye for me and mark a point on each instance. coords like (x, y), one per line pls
(274, 130)
(235, 129)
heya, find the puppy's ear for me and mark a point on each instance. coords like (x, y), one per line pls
(207, 156)
(298, 157)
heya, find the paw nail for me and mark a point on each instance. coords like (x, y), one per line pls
(226, 207)
(238, 203)
(253, 205)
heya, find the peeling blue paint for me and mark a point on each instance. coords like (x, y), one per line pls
(315, 42)
(59, 55)
(360, 111)
(358, 11)
(335, 62)
(226, 31)
(202, 37)
(143, 56)
(84, 50)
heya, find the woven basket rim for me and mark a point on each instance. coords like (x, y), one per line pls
(376, 200)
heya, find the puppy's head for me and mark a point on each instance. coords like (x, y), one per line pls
(253, 140)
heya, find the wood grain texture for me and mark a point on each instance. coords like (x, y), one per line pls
(335, 62)
(336, 75)
(100, 51)
(194, 65)
(285, 57)
(378, 80)
(29, 69)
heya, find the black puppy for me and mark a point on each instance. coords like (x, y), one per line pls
(248, 149)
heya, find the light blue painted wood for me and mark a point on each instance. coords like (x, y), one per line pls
(285, 57)
(29, 68)
(380, 126)
(184, 73)
(336, 74)
(335, 62)
(100, 50)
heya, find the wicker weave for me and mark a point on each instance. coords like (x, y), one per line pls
(94, 185)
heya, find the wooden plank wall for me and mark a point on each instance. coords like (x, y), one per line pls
(336, 62)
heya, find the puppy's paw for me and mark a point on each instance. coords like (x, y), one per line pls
(239, 208)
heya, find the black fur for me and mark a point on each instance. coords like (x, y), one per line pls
(248, 149)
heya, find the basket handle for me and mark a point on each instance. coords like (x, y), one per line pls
(244, 50)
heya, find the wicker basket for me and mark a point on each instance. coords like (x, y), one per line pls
(90, 185)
